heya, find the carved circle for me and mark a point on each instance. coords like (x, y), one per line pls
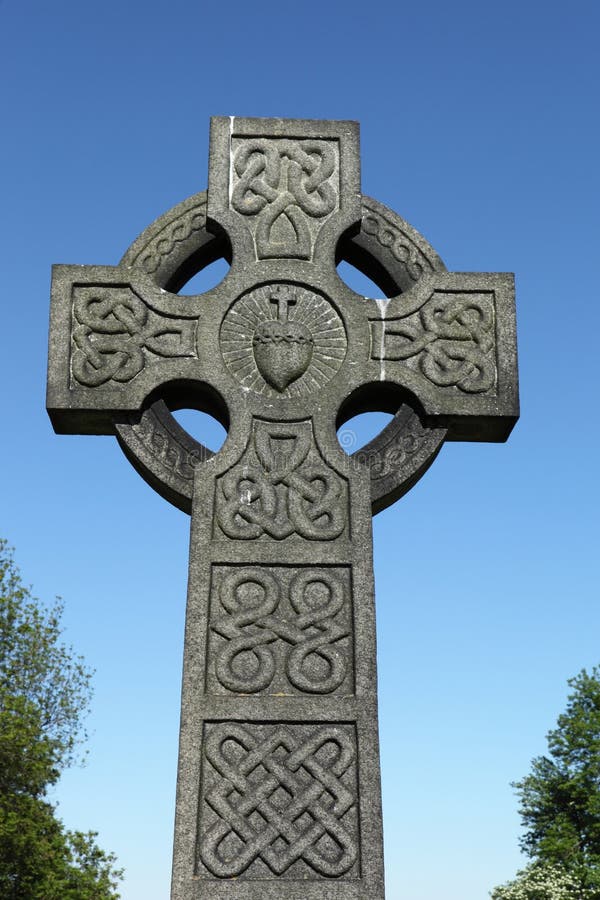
(289, 357)
(176, 246)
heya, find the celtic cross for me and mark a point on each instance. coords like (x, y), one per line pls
(278, 783)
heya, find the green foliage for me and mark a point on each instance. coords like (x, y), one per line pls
(44, 694)
(27, 758)
(560, 805)
(37, 666)
(541, 881)
(560, 798)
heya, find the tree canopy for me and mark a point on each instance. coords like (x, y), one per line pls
(44, 696)
(559, 804)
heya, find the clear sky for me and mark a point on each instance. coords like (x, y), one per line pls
(479, 125)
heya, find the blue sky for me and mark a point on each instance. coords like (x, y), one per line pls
(479, 124)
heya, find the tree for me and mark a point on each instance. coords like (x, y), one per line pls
(44, 696)
(560, 798)
(560, 805)
(36, 665)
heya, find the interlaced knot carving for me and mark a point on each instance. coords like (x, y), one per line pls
(393, 239)
(283, 180)
(177, 232)
(279, 797)
(113, 329)
(452, 339)
(254, 625)
(289, 492)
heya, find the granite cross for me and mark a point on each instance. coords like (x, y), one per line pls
(278, 790)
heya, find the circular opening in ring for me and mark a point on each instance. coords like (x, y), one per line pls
(207, 278)
(201, 426)
(362, 271)
(165, 452)
(196, 409)
(357, 280)
(203, 269)
(368, 412)
(361, 429)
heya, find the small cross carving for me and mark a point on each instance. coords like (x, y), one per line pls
(278, 785)
(284, 298)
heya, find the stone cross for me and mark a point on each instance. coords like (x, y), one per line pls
(278, 790)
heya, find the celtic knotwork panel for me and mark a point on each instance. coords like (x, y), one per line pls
(282, 487)
(449, 340)
(278, 800)
(280, 630)
(115, 334)
(285, 189)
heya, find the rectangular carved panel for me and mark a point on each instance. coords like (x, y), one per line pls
(115, 334)
(285, 189)
(283, 192)
(280, 630)
(450, 340)
(279, 800)
(281, 487)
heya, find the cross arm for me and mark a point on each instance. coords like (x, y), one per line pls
(451, 341)
(283, 189)
(114, 338)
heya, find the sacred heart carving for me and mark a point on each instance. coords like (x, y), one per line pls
(282, 351)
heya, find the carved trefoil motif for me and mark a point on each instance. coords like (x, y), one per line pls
(282, 487)
(450, 340)
(280, 630)
(278, 800)
(285, 190)
(115, 333)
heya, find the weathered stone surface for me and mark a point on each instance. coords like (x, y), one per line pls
(278, 787)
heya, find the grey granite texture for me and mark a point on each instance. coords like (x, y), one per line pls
(278, 789)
